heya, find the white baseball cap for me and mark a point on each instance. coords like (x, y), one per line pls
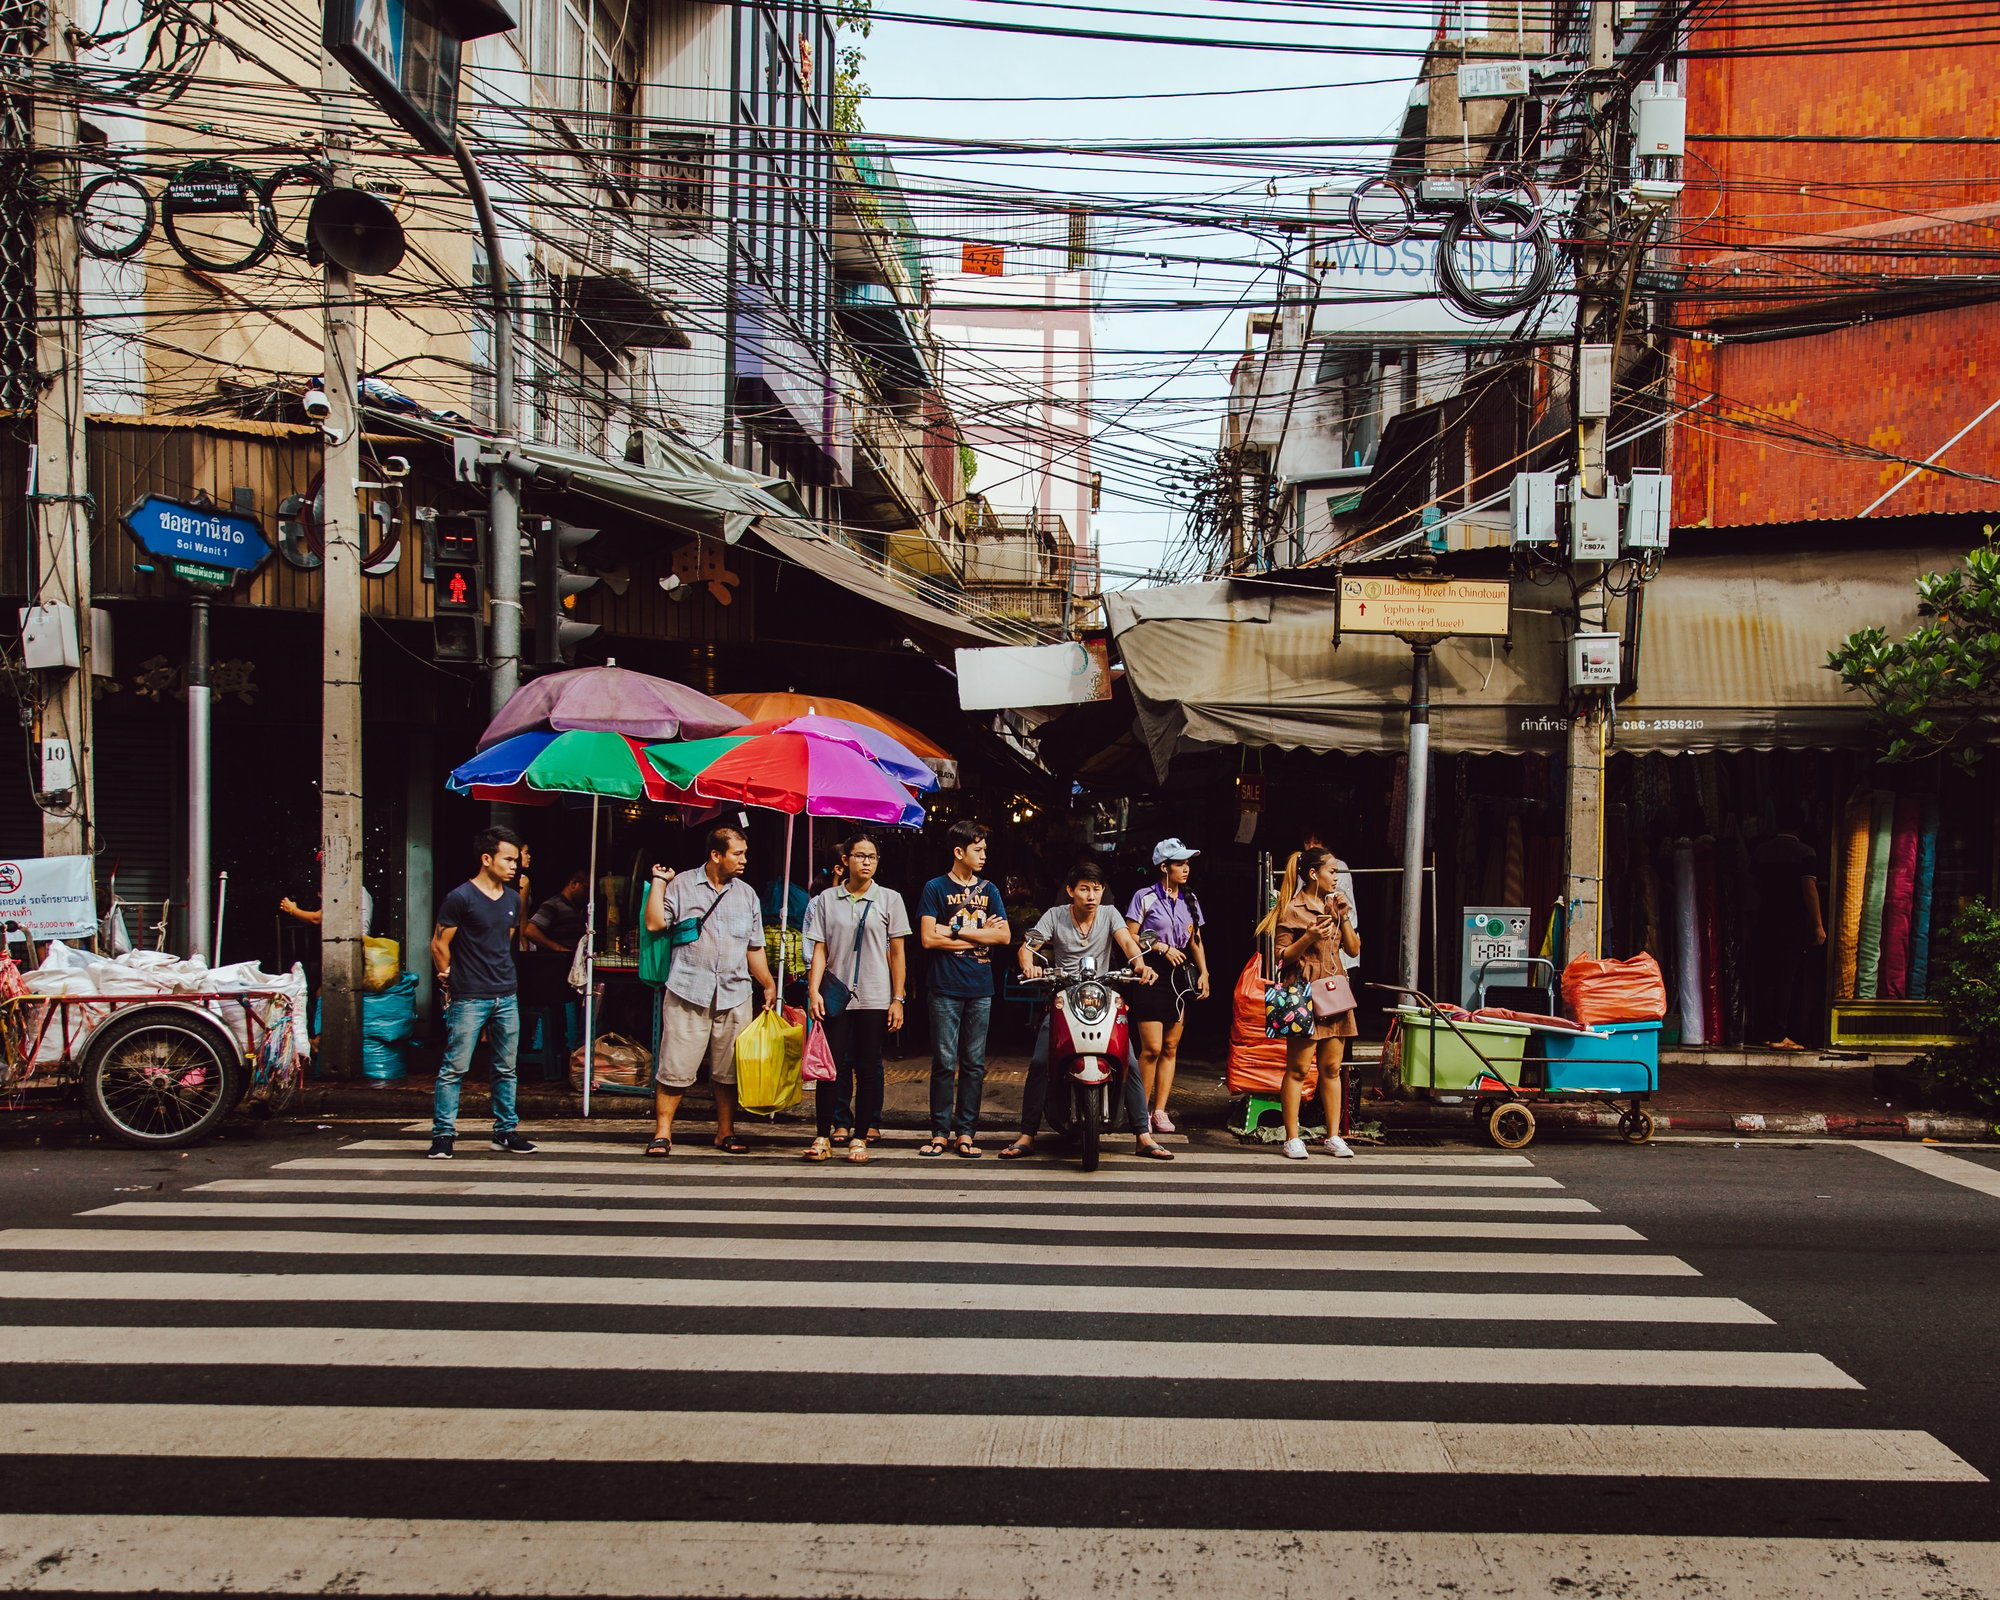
(1172, 850)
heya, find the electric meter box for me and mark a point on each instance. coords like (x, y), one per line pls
(1532, 502)
(1593, 661)
(1659, 121)
(1649, 510)
(1593, 380)
(1593, 527)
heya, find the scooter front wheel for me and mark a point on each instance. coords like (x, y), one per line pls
(1089, 1123)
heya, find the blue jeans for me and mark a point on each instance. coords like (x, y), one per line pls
(958, 1063)
(463, 1019)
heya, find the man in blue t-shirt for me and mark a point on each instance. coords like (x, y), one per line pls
(960, 920)
(472, 953)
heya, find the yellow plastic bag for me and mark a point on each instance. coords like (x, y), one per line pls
(768, 1053)
(381, 964)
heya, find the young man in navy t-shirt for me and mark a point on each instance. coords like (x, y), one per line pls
(961, 919)
(472, 953)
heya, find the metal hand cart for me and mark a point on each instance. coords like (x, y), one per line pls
(156, 1071)
(1506, 1065)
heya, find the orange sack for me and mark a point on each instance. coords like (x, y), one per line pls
(1257, 1064)
(1615, 991)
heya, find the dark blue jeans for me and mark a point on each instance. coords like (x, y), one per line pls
(958, 1063)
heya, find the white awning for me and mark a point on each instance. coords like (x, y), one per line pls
(1732, 655)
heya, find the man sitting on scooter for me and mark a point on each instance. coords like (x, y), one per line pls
(1067, 934)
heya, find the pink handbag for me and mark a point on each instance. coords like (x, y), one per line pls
(816, 1066)
(1332, 996)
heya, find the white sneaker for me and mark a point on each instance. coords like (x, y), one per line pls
(1295, 1150)
(1335, 1146)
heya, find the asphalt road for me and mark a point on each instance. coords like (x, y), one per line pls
(308, 1360)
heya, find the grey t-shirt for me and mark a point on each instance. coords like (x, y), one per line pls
(832, 919)
(1063, 944)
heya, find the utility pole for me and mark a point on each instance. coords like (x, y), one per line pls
(503, 489)
(1583, 820)
(340, 639)
(1416, 810)
(58, 487)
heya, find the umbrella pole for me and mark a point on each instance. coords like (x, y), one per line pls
(590, 966)
(785, 909)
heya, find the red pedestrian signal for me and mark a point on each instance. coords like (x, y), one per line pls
(457, 591)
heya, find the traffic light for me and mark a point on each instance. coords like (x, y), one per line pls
(458, 601)
(557, 584)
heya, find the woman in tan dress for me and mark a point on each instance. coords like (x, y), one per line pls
(1314, 931)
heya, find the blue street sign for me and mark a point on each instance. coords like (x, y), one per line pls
(199, 543)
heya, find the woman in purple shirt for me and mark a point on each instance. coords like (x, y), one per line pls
(1168, 911)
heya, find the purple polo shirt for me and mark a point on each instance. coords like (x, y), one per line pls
(1170, 919)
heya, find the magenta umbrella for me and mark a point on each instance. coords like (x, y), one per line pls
(611, 700)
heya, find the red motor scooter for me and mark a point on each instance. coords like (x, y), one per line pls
(1089, 1053)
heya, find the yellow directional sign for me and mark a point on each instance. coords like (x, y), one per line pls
(1460, 606)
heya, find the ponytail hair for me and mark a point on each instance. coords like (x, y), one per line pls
(1301, 864)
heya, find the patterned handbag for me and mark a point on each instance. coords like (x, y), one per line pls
(1288, 1011)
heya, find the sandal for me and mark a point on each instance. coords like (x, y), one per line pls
(660, 1148)
(931, 1147)
(842, 1136)
(857, 1151)
(818, 1150)
(1156, 1152)
(1018, 1149)
(734, 1145)
(966, 1148)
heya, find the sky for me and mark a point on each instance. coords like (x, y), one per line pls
(1163, 375)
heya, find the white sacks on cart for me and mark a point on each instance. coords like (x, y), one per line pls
(143, 974)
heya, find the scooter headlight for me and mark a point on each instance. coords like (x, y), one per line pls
(1090, 1001)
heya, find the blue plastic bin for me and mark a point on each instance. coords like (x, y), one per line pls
(1625, 1062)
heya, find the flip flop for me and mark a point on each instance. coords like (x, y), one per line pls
(932, 1147)
(1014, 1152)
(967, 1149)
(733, 1146)
(660, 1149)
(1155, 1152)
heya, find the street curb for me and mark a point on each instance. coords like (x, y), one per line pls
(538, 1103)
(1790, 1124)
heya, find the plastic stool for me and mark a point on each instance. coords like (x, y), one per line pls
(541, 1047)
(1257, 1108)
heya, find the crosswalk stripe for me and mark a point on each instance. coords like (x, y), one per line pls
(1079, 1222)
(1146, 1300)
(1057, 1443)
(880, 1191)
(1159, 1260)
(716, 1174)
(1939, 1164)
(433, 1348)
(804, 1560)
(898, 1146)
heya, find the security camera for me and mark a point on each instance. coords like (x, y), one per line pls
(318, 406)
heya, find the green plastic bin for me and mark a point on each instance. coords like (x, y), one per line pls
(1437, 1057)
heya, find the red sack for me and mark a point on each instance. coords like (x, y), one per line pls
(1257, 1064)
(1615, 991)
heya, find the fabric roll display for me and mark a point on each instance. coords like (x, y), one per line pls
(1868, 951)
(1920, 902)
(1895, 984)
(1853, 885)
(1687, 948)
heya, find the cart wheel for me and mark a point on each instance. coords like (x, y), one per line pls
(1636, 1125)
(1510, 1125)
(161, 1077)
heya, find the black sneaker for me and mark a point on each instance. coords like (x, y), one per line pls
(440, 1147)
(513, 1144)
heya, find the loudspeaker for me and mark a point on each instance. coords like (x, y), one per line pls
(353, 229)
